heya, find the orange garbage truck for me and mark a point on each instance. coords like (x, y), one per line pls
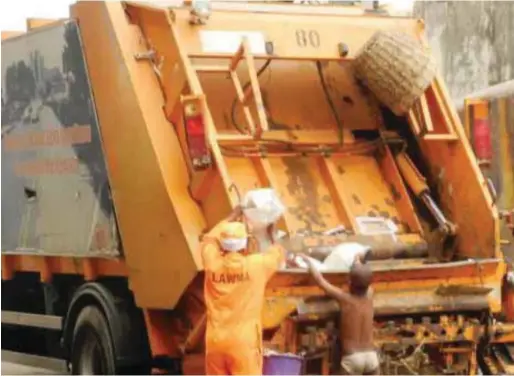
(130, 129)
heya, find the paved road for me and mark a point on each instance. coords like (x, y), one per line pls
(17, 369)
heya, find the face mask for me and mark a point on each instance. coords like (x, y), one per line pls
(233, 244)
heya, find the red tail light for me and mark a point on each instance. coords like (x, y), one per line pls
(482, 142)
(196, 135)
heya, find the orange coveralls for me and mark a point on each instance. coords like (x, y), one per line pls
(234, 296)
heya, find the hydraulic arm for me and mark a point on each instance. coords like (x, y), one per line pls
(417, 183)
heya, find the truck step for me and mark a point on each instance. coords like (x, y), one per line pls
(36, 361)
(32, 320)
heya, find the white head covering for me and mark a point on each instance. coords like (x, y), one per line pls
(233, 237)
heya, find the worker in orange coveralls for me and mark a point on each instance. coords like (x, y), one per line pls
(235, 280)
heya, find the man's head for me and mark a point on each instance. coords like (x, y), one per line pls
(233, 237)
(360, 278)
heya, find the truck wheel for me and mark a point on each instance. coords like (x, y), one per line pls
(92, 349)
(395, 68)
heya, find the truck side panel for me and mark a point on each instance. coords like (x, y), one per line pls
(159, 222)
(56, 198)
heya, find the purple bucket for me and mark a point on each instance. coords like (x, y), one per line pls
(282, 364)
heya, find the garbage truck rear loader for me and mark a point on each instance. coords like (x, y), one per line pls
(129, 130)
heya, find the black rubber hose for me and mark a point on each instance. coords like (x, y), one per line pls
(330, 102)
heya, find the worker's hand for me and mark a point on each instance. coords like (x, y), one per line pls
(307, 260)
(360, 258)
(291, 260)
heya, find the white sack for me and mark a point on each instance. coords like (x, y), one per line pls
(302, 264)
(262, 207)
(343, 256)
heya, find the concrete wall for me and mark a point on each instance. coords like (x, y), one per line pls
(473, 41)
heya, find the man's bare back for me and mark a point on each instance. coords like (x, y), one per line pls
(356, 326)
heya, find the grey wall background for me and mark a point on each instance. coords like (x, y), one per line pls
(473, 42)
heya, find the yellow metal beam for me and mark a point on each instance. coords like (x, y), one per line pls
(6, 34)
(34, 23)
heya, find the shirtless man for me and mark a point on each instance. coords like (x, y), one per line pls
(359, 354)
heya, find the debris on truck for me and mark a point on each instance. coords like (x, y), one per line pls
(126, 128)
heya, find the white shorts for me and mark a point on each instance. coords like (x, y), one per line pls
(360, 363)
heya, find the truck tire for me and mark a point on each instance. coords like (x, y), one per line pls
(395, 68)
(92, 348)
